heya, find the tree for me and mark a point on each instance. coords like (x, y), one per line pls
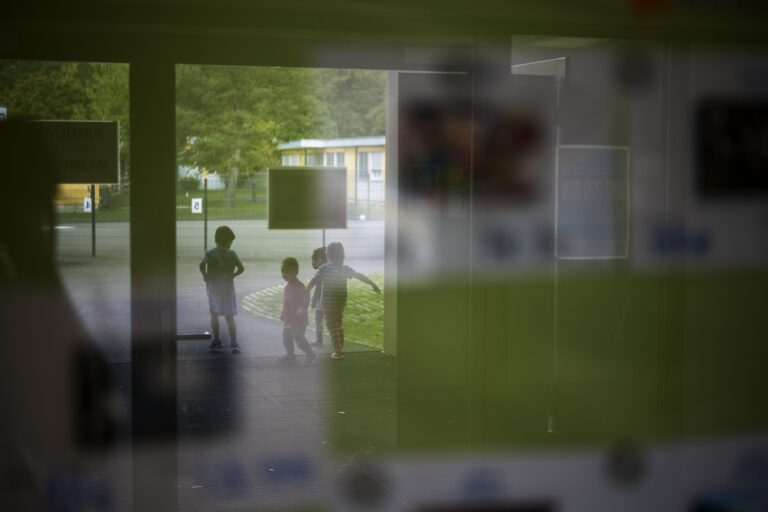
(45, 90)
(355, 100)
(220, 124)
(230, 118)
(68, 91)
(107, 93)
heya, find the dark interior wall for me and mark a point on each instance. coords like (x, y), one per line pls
(290, 33)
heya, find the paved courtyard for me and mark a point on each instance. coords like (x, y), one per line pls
(100, 287)
(253, 433)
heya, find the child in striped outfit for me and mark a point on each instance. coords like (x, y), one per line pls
(333, 276)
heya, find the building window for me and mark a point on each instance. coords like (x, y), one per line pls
(370, 165)
(376, 167)
(291, 159)
(314, 159)
(334, 159)
(370, 176)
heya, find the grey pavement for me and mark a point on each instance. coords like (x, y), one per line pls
(100, 287)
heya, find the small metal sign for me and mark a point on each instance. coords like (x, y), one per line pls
(87, 205)
(197, 205)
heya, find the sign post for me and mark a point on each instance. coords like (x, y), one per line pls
(85, 152)
(205, 210)
(93, 220)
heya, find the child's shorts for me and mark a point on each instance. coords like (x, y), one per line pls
(221, 299)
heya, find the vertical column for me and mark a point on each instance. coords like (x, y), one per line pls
(93, 220)
(671, 341)
(390, 217)
(153, 284)
(433, 274)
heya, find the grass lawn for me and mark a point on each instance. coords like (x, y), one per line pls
(243, 205)
(118, 211)
(363, 316)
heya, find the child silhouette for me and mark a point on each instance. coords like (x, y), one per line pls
(219, 267)
(294, 313)
(333, 276)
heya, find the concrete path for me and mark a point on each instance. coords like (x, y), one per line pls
(100, 287)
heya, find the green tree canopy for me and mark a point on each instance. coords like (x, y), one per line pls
(45, 90)
(68, 91)
(108, 97)
(355, 100)
(232, 118)
(228, 119)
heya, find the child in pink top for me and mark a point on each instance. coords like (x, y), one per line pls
(294, 314)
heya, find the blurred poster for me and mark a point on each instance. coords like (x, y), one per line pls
(515, 118)
(514, 125)
(434, 141)
(592, 208)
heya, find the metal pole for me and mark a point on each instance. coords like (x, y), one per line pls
(205, 211)
(93, 220)
(357, 170)
(369, 194)
(551, 427)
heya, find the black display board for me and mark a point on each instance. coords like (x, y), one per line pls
(85, 151)
(307, 198)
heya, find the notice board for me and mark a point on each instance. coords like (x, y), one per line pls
(307, 198)
(592, 219)
(85, 151)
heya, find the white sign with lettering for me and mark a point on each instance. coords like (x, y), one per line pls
(592, 209)
(197, 205)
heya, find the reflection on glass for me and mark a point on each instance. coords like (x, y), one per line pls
(574, 233)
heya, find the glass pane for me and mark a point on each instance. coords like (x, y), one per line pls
(258, 429)
(576, 265)
(68, 323)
